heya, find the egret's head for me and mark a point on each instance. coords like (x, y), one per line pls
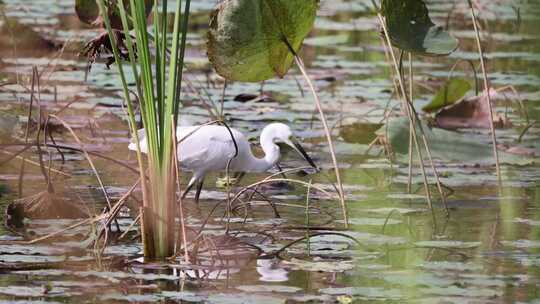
(281, 133)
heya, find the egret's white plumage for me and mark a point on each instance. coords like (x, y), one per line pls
(209, 148)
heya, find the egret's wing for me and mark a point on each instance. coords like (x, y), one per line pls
(200, 149)
(191, 160)
(207, 149)
(142, 142)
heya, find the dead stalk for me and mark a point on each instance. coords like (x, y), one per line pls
(271, 180)
(27, 146)
(411, 127)
(307, 216)
(424, 139)
(83, 222)
(436, 174)
(228, 186)
(341, 193)
(181, 205)
(135, 221)
(26, 134)
(222, 109)
(422, 167)
(33, 163)
(87, 156)
(487, 88)
(408, 109)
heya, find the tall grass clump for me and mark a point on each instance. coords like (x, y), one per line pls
(157, 68)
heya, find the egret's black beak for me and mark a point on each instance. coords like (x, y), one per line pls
(296, 145)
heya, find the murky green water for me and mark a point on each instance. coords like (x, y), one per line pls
(487, 251)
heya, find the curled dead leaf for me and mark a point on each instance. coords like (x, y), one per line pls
(519, 150)
(471, 113)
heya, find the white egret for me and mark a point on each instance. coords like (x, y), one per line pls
(209, 148)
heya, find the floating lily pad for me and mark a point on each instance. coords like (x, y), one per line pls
(447, 145)
(403, 211)
(312, 299)
(366, 221)
(411, 279)
(246, 40)
(366, 292)
(450, 93)
(183, 296)
(112, 276)
(30, 249)
(21, 258)
(268, 288)
(131, 298)
(322, 266)
(360, 133)
(411, 29)
(448, 244)
(527, 222)
(524, 244)
(27, 291)
(450, 266)
(405, 196)
(223, 298)
(464, 292)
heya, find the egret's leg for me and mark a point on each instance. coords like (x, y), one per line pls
(238, 176)
(189, 186)
(199, 188)
(281, 170)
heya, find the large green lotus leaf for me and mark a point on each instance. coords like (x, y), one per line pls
(410, 29)
(246, 37)
(452, 91)
(447, 145)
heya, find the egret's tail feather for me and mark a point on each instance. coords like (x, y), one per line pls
(142, 142)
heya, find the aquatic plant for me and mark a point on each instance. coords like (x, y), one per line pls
(158, 77)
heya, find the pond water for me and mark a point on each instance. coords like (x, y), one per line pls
(486, 251)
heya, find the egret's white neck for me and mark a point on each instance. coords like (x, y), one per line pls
(271, 153)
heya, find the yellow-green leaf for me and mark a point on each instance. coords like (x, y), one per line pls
(452, 91)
